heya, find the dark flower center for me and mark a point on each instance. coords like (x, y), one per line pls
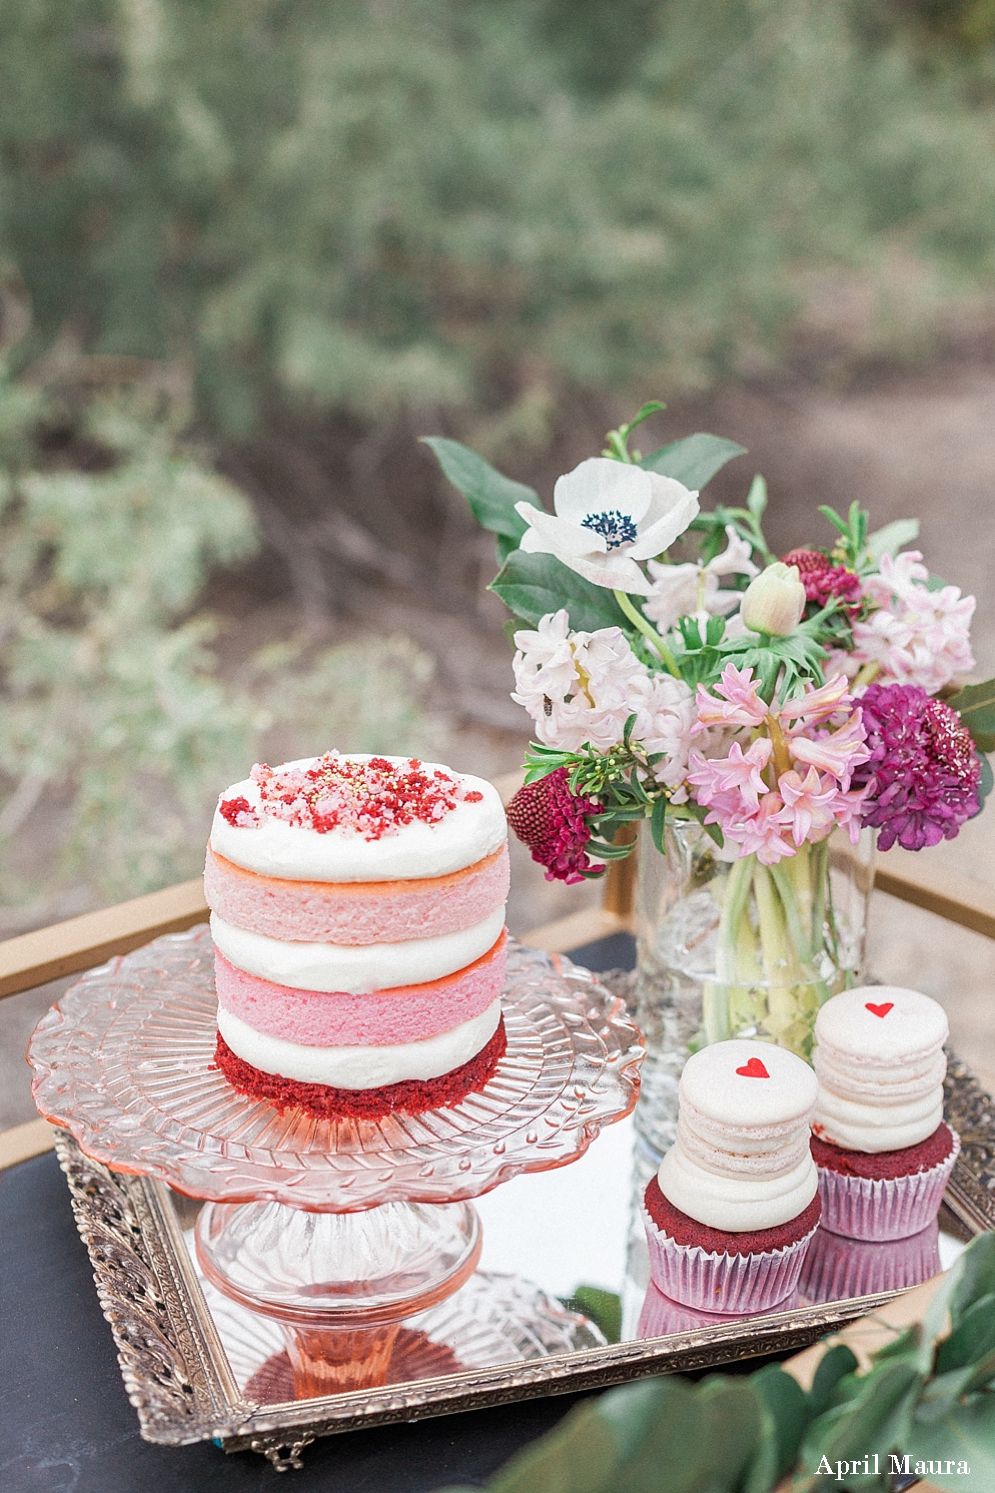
(616, 527)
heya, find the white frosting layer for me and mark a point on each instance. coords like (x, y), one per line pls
(877, 1127)
(465, 835)
(360, 1067)
(736, 1204)
(880, 1071)
(356, 969)
(741, 1160)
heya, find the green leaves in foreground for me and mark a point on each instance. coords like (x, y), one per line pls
(659, 1434)
(926, 1407)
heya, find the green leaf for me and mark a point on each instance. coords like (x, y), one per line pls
(976, 704)
(693, 460)
(579, 1456)
(889, 540)
(833, 1366)
(942, 1393)
(756, 500)
(534, 585)
(874, 1420)
(972, 1339)
(834, 518)
(491, 495)
(966, 1434)
(603, 1307)
(657, 821)
(974, 1276)
(683, 1440)
(786, 1413)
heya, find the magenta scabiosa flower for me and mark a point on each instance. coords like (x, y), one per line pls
(923, 772)
(552, 822)
(822, 579)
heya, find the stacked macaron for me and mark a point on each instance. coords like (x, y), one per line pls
(883, 1152)
(358, 923)
(735, 1203)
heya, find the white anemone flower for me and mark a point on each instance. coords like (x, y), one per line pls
(608, 516)
(693, 590)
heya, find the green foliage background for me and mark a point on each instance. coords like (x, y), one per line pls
(117, 729)
(366, 206)
(454, 212)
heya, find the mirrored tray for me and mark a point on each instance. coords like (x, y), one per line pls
(196, 1366)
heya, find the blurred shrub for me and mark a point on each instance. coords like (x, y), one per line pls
(116, 730)
(371, 206)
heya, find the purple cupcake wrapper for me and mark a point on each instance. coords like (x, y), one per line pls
(726, 1285)
(879, 1208)
(836, 1269)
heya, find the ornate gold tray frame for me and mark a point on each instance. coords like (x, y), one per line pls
(178, 1378)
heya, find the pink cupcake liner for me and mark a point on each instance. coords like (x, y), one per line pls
(836, 1268)
(886, 1207)
(660, 1316)
(727, 1285)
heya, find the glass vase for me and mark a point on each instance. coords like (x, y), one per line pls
(730, 948)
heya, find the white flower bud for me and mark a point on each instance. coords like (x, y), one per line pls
(774, 602)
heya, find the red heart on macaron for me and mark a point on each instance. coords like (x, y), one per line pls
(881, 1010)
(754, 1069)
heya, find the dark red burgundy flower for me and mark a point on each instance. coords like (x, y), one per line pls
(822, 579)
(923, 772)
(552, 822)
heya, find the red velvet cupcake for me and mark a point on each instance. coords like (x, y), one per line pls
(883, 1152)
(735, 1204)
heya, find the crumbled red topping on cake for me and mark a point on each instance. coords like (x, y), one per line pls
(373, 798)
(239, 813)
(877, 1165)
(688, 1231)
(413, 1096)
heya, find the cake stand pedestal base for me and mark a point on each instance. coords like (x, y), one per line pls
(339, 1284)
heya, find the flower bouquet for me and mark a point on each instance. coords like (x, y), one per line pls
(745, 706)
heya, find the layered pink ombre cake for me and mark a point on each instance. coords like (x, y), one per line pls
(358, 922)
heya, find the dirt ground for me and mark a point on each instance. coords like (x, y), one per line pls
(902, 445)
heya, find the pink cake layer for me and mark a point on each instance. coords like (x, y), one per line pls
(356, 912)
(406, 1013)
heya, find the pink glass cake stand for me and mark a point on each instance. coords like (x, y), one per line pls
(336, 1229)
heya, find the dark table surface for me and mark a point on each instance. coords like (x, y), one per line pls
(66, 1425)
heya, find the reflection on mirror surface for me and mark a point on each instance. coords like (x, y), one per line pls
(561, 1250)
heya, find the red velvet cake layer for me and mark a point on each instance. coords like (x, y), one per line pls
(689, 1232)
(880, 1164)
(324, 1102)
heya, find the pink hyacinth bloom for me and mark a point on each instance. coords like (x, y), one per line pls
(809, 804)
(849, 811)
(739, 772)
(837, 752)
(740, 704)
(817, 705)
(762, 834)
